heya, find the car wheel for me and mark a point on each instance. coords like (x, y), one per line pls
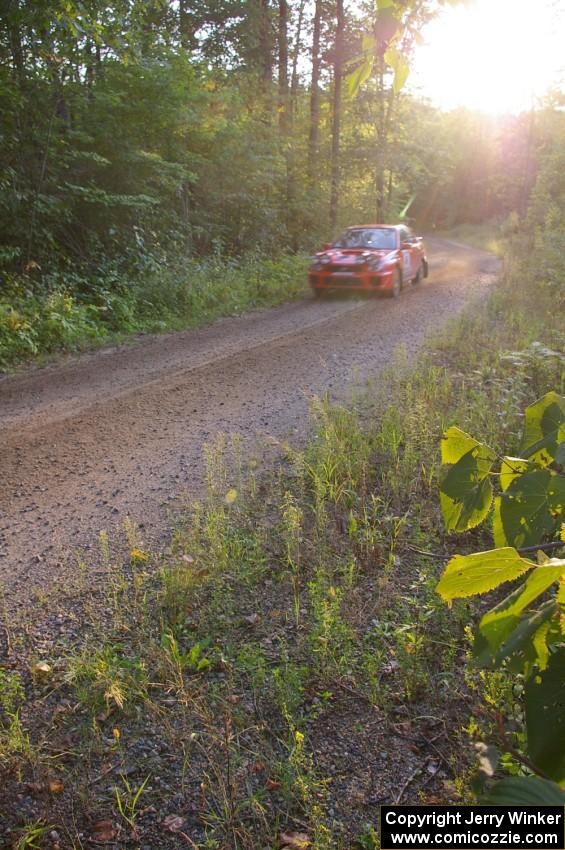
(418, 279)
(319, 294)
(396, 285)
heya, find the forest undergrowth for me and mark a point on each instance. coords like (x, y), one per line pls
(71, 313)
(286, 664)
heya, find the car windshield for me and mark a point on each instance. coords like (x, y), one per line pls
(367, 237)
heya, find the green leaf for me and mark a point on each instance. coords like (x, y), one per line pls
(499, 622)
(524, 791)
(387, 25)
(561, 595)
(384, 4)
(540, 642)
(560, 453)
(545, 717)
(468, 575)
(400, 66)
(465, 489)
(456, 443)
(529, 509)
(543, 423)
(511, 468)
(526, 644)
(356, 78)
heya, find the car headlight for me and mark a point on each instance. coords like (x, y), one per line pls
(324, 259)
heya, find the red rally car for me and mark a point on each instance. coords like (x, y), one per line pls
(371, 258)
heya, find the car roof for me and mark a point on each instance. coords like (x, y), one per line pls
(380, 226)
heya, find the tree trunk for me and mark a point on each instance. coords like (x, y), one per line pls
(90, 73)
(296, 54)
(379, 172)
(186, 34)
(283, 67)
(266, 54)
(314, 96)
(336, 117)
(386, 105)
(293, 225)
(17, 53)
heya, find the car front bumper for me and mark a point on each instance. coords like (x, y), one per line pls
(368, 280)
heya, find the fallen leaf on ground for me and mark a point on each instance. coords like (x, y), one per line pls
(56, 786)
(173, 823)
(35, 787)
(294, 840)
(272, 785)
(103, 832)
(252, 619)
(63, 707)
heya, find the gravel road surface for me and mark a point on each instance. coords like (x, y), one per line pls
(89, 440)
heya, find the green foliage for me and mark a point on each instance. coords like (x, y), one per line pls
(193, 660)
(108, 678)
(31, 836)
(466, 490)
(394, 30)
(127, 801)
(525, 791)
(545, 714)
(368, 839)
(544, 429)
(14, 742)
(11, 692)
(183, 294)
(525, 630)
(468, 575)
(544, 248)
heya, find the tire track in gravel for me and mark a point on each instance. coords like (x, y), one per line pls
(117, 432)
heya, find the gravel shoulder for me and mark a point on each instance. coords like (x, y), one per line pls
(119, 432)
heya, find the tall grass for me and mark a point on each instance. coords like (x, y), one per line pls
(69, 313)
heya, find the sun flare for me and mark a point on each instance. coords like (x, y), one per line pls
(496, 56)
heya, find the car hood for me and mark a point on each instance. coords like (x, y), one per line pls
(345, 257)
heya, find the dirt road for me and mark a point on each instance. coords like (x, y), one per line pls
(91, 440)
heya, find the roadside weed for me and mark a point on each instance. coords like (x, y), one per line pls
(107, 678)
(331, 638)
(127, 801)
(179, 662)
(292, 531)
(31, 836)
(16, 748)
